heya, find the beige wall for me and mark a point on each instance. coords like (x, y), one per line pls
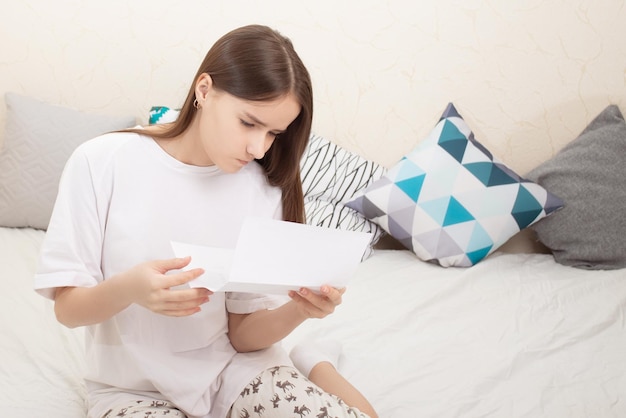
(527, 75)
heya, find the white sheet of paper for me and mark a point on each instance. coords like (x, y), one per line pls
(276, 256)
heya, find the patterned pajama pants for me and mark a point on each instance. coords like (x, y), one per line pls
(279, 392)
(146, 409)
(282, 392)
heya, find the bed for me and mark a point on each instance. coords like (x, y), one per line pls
(507, 301)
(517, 335)
(521, 315)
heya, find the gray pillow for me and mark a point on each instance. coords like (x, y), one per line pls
(39, 139)
(588, 174)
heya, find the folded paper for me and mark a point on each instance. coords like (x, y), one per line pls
(274, 257)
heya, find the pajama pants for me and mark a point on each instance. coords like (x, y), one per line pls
(285, 392)
(145, 409)
(279, 392)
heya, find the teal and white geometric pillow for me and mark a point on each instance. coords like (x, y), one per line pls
(162, 114)
(450, 201)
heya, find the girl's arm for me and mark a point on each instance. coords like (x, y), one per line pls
(146, 284)
(261, 329)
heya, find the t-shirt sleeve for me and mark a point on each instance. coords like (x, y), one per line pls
(70, 253)
(245, 303)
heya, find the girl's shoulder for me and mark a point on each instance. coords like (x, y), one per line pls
(106, 143)
(96, 156)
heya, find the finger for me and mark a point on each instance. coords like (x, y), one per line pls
(172, 264)
(185, 304)
(184, 301)
(333, 294)
(185, 295)
(327, 295)
(180, 313)
(310, 310)
(184, 277)
(318, 300)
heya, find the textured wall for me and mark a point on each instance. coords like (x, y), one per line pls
(527, 75)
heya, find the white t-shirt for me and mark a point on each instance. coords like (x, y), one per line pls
(121, 200)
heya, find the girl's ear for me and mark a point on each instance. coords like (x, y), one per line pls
(203, 86)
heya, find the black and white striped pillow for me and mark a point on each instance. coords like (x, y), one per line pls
(331, 176)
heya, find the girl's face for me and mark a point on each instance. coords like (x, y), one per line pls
(233, 131)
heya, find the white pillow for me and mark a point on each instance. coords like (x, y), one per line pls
(39, 139)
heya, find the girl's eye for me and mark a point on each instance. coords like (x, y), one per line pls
(246, 124)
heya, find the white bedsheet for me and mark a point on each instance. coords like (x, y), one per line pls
(514, 336)
(42, 361)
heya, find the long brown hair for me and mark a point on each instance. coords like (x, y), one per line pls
(257, 63)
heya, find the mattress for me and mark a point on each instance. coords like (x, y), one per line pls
(517, 335)
(42, 361)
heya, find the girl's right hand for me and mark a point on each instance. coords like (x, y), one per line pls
(150, 286)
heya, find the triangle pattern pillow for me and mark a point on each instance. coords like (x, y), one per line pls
(162, 114)
(450, 201)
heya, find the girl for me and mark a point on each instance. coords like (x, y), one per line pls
(154, 346)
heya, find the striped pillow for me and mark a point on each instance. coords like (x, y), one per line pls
(331, 176)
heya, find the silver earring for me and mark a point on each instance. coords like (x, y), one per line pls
(196, 104)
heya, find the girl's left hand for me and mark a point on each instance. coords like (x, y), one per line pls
(317, 305)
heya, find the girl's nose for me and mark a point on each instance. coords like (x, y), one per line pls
(256, 146)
